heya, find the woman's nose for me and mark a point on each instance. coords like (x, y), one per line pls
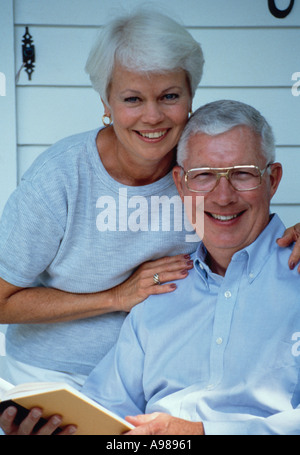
(152, 113)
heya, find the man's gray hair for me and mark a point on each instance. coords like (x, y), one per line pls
(145, 42)
(221, 116)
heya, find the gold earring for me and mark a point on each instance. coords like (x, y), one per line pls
(105, 123)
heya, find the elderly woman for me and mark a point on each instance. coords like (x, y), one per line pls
(74, 257)
(71, 246)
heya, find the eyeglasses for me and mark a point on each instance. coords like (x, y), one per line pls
(241, 178)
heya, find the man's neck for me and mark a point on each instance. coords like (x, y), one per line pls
(218, 265)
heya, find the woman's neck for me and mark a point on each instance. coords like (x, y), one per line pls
(129, 170)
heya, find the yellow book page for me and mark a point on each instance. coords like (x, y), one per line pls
(88, 419)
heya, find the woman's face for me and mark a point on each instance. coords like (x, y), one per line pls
(149, 112)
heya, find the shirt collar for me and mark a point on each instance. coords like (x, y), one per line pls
(257, 253)
(199, 263)
(203, 269)
(260, 250)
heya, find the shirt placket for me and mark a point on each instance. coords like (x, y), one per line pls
(227, 297)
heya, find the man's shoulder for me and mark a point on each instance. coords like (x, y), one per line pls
(175, 301)
(281, 261)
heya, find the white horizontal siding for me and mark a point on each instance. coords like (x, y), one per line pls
(204, 13)
(288, 213)
(279, 106)
(287, 192)
(8, 149)
(61, 54)
(233, 57)
(58, 112)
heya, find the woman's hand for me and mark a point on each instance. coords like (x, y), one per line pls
(26, 427)
(292, 235)
(49, 305)
(163, 424)
(141, 283)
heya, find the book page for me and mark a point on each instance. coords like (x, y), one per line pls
(74, 407)
(4, 387)
(28, 388)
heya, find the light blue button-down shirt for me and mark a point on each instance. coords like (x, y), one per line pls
(221, 350)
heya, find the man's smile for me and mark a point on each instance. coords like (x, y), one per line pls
(223, 217)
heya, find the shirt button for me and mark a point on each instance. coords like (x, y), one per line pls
(219, 340)
(227, 294)
(251, 275)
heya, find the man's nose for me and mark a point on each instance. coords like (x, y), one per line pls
(224, 191)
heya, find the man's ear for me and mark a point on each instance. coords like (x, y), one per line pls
(178, 179)
(275, 177)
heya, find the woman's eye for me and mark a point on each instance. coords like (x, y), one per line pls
(131, 99)
(171, 96)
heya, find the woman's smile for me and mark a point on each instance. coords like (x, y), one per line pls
(153, 136)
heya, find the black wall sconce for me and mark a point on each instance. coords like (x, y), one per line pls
(28, 53)
(279, 13)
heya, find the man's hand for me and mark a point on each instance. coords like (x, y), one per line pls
(163, 424)
(292, 235)
(26, 427)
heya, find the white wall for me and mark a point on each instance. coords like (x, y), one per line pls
(8, 145)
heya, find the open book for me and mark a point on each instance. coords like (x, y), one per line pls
(59, 398)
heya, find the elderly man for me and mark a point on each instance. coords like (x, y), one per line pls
(221, 354)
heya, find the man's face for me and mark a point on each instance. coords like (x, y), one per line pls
(232, 219)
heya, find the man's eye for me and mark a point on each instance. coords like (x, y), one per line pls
(242, 175)
(203, 175)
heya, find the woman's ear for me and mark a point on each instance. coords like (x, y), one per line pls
(106, 108)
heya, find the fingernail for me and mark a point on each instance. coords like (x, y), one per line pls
(292, 265)
(56, 420)
(36, 414)
(72, 430)
(11, 411)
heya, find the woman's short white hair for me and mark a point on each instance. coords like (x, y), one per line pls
(221, 116)
(144, 42)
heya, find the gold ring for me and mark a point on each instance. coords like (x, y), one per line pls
(156, 278)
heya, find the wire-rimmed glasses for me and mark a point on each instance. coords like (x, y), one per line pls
(241, 178)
